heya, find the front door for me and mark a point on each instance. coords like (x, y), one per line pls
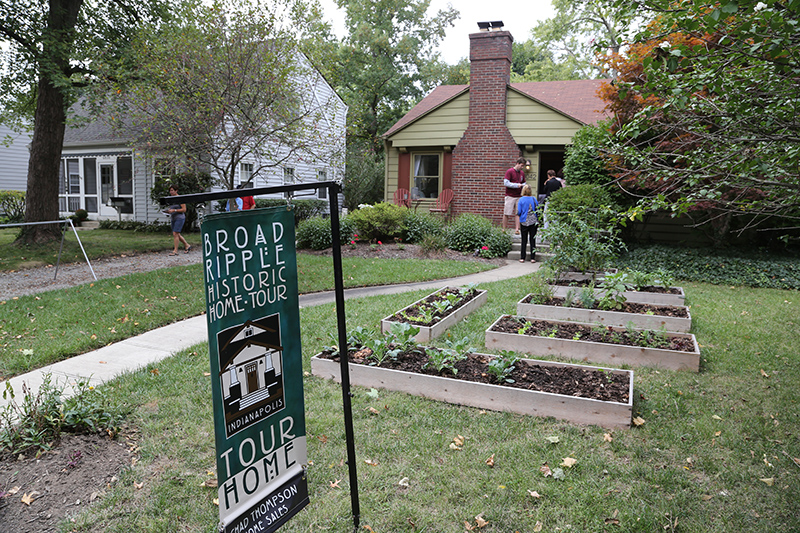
(107, 189)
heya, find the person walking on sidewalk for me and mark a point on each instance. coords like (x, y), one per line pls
(177, 213)
(514, 180)
(528, 221)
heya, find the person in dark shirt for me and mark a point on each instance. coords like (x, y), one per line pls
(551, 185)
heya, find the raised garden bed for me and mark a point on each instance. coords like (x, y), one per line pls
(648, 295)
(576, 393)
(432, 321)
(646, 316)
(597, 344)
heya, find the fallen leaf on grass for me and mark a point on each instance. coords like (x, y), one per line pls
(706, 497)
(638, 421)
(764, 373)
(552, 440)
(369, 529)
(607, 437)
(138, 486)
(613, 519)
(534, 494)
(490, 461)
(537, 527)
(480, 521)
(568, 462)
(716, 417)
(768, 480)
(374, 411)
(370, 462)
(215, 501)
(206, 374)
(155, 372)
(545, 470)
(209, 483)
(323, 439)
(29, 498)
(404, 482)
(335, 484)
(558, 473)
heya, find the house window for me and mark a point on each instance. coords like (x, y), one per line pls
(246, 175)
(288, 179)
(427, 176)
(322, 192)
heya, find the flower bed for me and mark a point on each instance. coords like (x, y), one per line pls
(437, 312)
(585, 395)
(596, 344)
(671, 318)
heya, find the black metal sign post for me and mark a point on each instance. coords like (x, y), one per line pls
(333, 197)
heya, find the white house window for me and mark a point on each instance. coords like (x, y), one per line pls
(288, 179)
(246, 175)
(322, 192)
(427, 176)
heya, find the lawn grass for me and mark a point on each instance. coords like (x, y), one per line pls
(713, 455)
(97, 243)
(38, 330)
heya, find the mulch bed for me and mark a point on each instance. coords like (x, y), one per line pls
(627, 307)
(568, 381)
(604, 334)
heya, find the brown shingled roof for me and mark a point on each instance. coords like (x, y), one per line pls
(576, 99)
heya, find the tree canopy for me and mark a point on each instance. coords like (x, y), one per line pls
(227, 84)
(53, 49)
(381, 66)
(706, 110)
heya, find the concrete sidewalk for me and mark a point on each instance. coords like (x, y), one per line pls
(131, 354)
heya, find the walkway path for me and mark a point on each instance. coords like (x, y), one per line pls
(131, 354)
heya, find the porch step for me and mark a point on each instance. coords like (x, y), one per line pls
(88, 224)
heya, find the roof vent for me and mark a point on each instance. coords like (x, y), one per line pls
(495, 25)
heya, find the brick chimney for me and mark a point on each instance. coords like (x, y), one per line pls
(487, 149)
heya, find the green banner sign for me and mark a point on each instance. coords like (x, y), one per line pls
(250, 270)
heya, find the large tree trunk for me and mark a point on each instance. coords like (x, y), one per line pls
(41, 198)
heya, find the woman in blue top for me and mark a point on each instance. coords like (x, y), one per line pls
(177, 213)
(528, 221)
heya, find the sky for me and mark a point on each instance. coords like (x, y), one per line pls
(518, 18)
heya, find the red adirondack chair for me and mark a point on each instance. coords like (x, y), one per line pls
(402, 198)
(443, 203)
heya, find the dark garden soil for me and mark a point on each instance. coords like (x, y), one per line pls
(604, 334)
(627, 307)
(586, 283)
(60, 483)
(568, 381)
(417, 313)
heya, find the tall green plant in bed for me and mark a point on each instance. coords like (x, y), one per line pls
(577, 245)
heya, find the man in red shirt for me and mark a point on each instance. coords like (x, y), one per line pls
(514, 180)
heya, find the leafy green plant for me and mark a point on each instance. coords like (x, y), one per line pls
(443, 359)
(468, 232)
(587, 297)
(315, 232)
(580, 246)
(36, 422)
(432, 243)
(380, 222)
(402, 335)
(502, 366)
(441, 306)
(420, 224)
(540, 290)
(613, 287)
(12, 205)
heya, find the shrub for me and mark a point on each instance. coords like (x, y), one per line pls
(315, 232)
(580, 246)
(379, 222)
(433, 242)
(498, 244)
(12, 205)
(132, 225)
(420, 225)
(592, 203)
(583, 162)
(187, 183)
(303, 209)
(468, 232)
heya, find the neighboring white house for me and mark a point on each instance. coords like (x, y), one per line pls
(14, 155)
(98, 165)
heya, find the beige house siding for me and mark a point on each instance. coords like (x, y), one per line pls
(443, 126)
(390, 179)
(532, 123)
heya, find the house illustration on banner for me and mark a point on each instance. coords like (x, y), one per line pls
(251, 363)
